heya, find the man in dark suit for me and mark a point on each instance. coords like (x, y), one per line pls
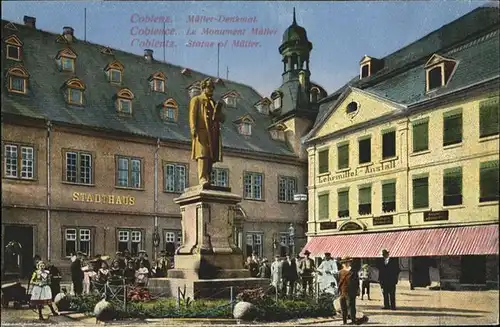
(388, 278)
(77, 273)
(290, 274)
(306, 269)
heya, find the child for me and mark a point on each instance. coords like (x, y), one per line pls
(364, 277)
(41, 293)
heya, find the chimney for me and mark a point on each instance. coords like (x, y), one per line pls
(29, 21)
(68, 33)
(148, 55)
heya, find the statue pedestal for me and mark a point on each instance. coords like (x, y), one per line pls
(208, 258)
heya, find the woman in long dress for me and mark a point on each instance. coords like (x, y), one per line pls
(41, 293)
(276, 273)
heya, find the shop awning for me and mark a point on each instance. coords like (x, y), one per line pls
(451, 241)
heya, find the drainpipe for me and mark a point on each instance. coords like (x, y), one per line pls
(408, 170)
(156, 190)
(314, 193)
(49, 125)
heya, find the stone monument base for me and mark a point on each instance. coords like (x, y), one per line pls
(204, 289)
(208, 266)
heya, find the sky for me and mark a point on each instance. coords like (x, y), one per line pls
(341, 32)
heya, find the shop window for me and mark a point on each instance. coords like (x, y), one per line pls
(220, 177)
(420, 192)
(131, 240)
(287, 187)
(128, 172)
(488, 183)
(77, 239)
(452, 186)
(19, 161)
(78, 167)
(175, 177)
(365, 201)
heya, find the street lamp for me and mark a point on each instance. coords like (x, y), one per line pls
(291, 234)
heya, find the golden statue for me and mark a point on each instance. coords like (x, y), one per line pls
(205, 118)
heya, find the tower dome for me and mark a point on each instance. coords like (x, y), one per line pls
(295, 32)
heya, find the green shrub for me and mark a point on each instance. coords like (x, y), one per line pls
(267, 309)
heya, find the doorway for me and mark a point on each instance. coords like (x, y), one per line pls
(473, 269)
(23, 234)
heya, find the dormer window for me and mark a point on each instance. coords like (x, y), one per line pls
(74, 91)
(194, 89)
(114, 71)
(157, 82)
(245, 125)
(278, 132)
(276, 96)
(13, 48)
(107, 51)
(124, 101)
(170, 110)
(314, 94)
(263, 106)
(369, 66)
(66, 60)
(18, 80)
(438, 71)
(231, 98)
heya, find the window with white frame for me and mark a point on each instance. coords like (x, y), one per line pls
(173, 239)
(128, 172)
(130, 240)
(220, 177)
(253, 185)
(254, 244)
(19, 161)
(175, 177)
(78, 167)
(230, 101)
(287, 188)
(245, 128)
(77, 239)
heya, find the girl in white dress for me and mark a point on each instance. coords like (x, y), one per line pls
(142, 275)
(41, 294)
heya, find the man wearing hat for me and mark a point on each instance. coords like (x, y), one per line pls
(142, 259)
(77, 273)
(388, 278)
(120, 259)
(162, 264)
(306, 269)
(264, 269)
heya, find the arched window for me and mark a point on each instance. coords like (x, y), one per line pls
(170, 110)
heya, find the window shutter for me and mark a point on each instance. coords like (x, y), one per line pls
(452, 181)
(420, 192)
(365, 195)
(323, 161)
(389, 192)
(488, 117)
(323, 211)
(388, 144)
(489, 190)
(452, 129)
(343, 156)
(420, 136)
(343, 200)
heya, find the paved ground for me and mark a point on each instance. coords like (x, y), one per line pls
(417, 307)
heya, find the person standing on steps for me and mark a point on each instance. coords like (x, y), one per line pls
(388, 278)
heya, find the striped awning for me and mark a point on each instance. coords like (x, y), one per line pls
(450, 241)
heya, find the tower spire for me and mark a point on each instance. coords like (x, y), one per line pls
(294, 21)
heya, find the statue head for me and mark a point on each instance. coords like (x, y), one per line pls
(208, 86)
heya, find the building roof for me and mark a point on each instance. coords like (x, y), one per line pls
(45, 98)
(473, 41)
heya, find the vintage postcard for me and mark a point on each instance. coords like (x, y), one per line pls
(250, 162)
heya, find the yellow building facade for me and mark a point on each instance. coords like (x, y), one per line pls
(405, 158)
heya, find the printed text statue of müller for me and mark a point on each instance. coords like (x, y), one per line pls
(205, 118)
